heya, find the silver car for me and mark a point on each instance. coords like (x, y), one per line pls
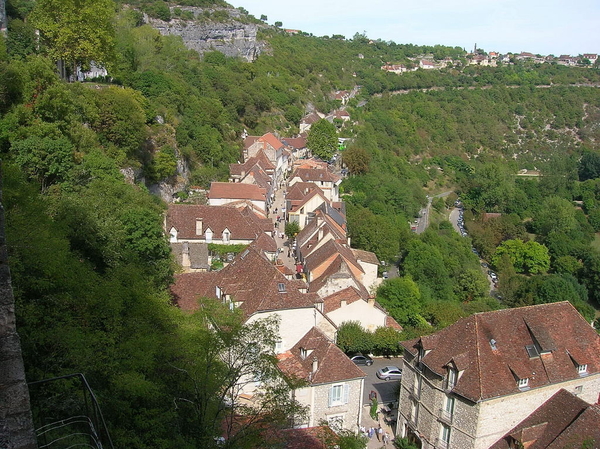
(389, 372)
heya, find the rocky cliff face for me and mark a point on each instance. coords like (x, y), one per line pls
(231, 37)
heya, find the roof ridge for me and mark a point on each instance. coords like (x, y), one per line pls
(478, 357)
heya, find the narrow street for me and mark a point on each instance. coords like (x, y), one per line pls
(282, 242)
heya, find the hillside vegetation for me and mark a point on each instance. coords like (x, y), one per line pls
(91, 266)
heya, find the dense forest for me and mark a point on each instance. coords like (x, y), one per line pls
(90, 263)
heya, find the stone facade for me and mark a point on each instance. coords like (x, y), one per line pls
(424, 395)
(3, 20)
(317, 398)
(16, 427)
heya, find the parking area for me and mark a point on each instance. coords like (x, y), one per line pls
(387, 391)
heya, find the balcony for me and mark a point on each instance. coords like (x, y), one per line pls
(445, 416)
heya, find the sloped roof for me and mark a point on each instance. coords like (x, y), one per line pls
(299, 190)
(297, 143)
(309, 437)
(562, 421)
(327, 251)
(315, 175)
(197, 253)
(334, 301)
(265, 243)
(365, 256)
(332, 364)
(236, 190)
(568, 339)
(271, 140)
(183, 218)
(250, 280)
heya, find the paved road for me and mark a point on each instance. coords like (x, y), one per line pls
(386, 391)
(423, 221)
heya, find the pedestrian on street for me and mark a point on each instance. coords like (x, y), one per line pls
(379, 433)
(386, 439)
(371, 432)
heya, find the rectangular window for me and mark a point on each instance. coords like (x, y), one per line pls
(445, 436)
(449, 406)
(523, 383)
(452, 376)
(338, 394)
(582, 369)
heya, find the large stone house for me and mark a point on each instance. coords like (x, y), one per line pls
(467, 385)
(334, 387)
(327, 181)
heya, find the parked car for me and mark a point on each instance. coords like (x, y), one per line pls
(389, 372)
(360, 359)
(484, 265)
(385, 275)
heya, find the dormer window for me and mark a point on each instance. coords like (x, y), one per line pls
(281, 287)
(582, 369)
(523, 383)
(451, 379)
(226, 236)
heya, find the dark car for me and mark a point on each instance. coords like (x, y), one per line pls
(360, 359)
(389, 372)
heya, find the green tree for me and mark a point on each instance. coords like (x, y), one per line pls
(46, 160)
(352, 337)
(292, 229)
(76, 31)
(401, 297)
(471, 285)
(530, 257)
(322, 139)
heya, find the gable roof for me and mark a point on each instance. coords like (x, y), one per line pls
(250, 280)
(315, 175)
(334, 301)
(328, 251)
(332, 364)
(309, 437)
(183, 218)
(271, 140)
(560, 333)
(562, 421)
(365, 256)
(236, 190)
(296, 143)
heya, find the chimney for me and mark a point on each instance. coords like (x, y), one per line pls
(315, 365)
(185, 256)
(198, 226)
(371, 301)
(343, 303)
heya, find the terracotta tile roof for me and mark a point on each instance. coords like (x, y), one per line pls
(556, 328)
(314, 175)
(249, 141)
(266, 243)
(562, 421)
(250, 280)
(332, 364)
(298, 204)
(338, 269)
(310, 118)
(236, 190)
(297, 143)
(366, 256)
(299, 190)
(334, 301)
(189, 287)
(183, 218)
(327, 252)
(390, 322)
(261, 178)
(271, 140)
(264, 161)
(311, 163)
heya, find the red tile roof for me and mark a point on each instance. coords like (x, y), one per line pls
(236, 190)
(334, 301)
(560, 333)
(314, 175)
(562, 421)
(297, 143)
(327, 251)
(309, 438)
(332, 364)
(183, 218)
(250, 280)
(271, 140)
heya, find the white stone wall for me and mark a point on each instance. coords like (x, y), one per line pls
(295, 323)
(369, 316)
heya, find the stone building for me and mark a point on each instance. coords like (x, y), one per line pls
(467, 385)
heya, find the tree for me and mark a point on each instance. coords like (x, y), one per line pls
(530, 257)
(278, 24)
(76, 31)
(401, 297)
(221, 355)
(292, 229)
(471, 285)
(357, 160)
(322, 139)
(352, 337)
(45, 159)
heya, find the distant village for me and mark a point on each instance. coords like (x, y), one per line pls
(491, 59)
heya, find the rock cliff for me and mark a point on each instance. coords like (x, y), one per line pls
(232, 34)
